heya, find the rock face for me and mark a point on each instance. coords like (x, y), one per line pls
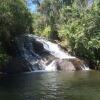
(33, 53)
(65, 65)
(69, 65)
(16, 65)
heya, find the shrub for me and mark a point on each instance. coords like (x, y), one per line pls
(83, 35)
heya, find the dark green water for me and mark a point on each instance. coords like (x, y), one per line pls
(51, 86)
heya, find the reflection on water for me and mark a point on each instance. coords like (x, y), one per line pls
(51, 86)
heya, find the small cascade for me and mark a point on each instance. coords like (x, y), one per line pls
(25, 48)
(35, 49)
(54, 49)
(85, 67)
(51, 66)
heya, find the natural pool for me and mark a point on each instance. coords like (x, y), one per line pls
(79, 85)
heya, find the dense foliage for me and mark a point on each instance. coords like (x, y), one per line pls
(15, 19)
(76, 23)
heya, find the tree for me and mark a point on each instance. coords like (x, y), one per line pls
(82, 32)
(49, 10)
(74, 21)
(14, 19)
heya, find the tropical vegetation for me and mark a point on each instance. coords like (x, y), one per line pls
(74, 23)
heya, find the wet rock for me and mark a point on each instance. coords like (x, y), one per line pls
(35, 53)
(39, 49)
(65, 65)
(16, 65)
(78, 64)
(69, 65)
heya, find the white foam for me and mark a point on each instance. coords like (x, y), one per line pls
(84, 67)
(51, 66)
(55, 50)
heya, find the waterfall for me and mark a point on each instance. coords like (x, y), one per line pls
(54, 49)
(42, 54)
(84, 67)
(51, 66)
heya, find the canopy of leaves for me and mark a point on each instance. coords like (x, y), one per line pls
(15, 19)
(74, 21)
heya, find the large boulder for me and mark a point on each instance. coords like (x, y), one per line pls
(69, 65)
(65, 65)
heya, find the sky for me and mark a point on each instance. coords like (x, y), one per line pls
(90, 2)
(32, 6)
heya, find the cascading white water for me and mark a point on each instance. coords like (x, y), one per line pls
(25, 45)
(55, 50)
(85, 67)
(51, 66)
